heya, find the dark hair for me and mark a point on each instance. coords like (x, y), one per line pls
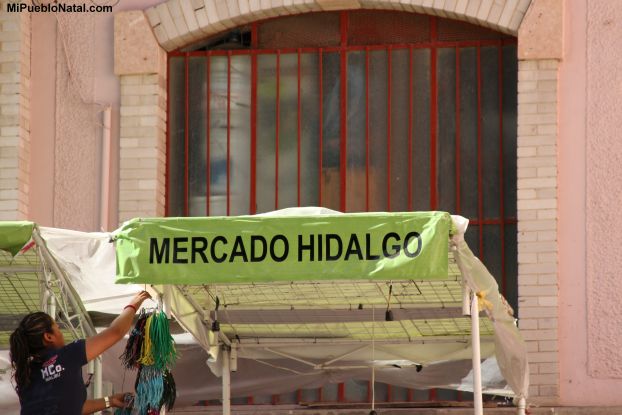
(26, 344)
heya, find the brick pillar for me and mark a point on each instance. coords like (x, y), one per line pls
(537, 223)
(141, 66)
(14, 113)
(142, 142)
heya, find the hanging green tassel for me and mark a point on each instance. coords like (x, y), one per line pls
(162, 344)
(151, 349)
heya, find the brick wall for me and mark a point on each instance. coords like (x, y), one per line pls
(537, 222)
(14, 113)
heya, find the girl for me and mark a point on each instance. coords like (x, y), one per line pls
(48, 373)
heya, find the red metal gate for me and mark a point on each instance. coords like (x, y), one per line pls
(356, 111)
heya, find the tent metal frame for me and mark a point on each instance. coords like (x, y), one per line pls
(57, 297)
(228, 353)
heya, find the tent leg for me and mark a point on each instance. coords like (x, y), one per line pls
(97, 379)
(522, 404)
(51, 306)
(95, 367)
(478, 406)
(466, 293)
(226, 383)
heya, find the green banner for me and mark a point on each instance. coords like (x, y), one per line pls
(379, 246)
(14, 235)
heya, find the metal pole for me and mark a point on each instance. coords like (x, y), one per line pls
(522, 404)
(97, 378)
(72, 294)
(92, 370)
(478, 408)
(226, 382)
(466, 292)
(52, 306)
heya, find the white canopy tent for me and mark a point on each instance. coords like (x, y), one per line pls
(289, 335)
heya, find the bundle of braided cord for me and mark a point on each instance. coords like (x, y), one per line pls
(150, 349)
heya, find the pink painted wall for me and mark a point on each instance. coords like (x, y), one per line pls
(72, 83)
(590, 178)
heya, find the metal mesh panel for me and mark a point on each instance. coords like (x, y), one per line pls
(373, 27)
(22, 286)
(308, 30)
(310, 309)
(379, 330)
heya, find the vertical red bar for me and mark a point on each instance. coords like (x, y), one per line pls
(433, 115)
(343, 27)
(457, 121)
(367, 129)
(298, 396)
(228, 133)
(369, 391)
(343, 116)
(501, 175)
(168, 136)
(321, 85)
(250, 400)
(389, 128)
(432, 393)
(253, 190)
(278, 121)
(410, 395)
(480, 204)
(410, 128)
(299, 116)
(341, 392)
(253, 195)
(320, 394)
(207, 135)
(389, 393)
(275, 399)
(186, 110)
(343, 92)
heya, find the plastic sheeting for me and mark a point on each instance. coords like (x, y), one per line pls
(510, 347)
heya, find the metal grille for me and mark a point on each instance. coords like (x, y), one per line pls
(355, 111)
(429, 124)
(20, 291)
(23, 290)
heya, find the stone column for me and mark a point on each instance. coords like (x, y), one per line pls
(539, 53)
(140, 63)
(14, 113)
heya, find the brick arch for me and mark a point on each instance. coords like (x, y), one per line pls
(177, 23)
(141, 66)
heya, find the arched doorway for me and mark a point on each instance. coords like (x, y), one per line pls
(352, 110)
